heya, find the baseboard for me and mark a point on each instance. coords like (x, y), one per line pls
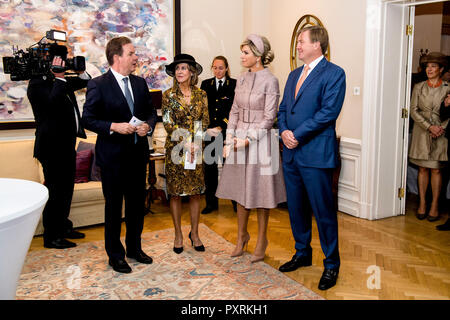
(349, 188)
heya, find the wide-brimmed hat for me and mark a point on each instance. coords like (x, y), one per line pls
(434, 57)
(183, 58)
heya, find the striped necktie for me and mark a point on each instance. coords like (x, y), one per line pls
(129, 101)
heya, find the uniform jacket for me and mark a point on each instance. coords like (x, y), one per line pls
(219, 102)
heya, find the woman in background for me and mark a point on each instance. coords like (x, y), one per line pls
(252, 173)
(428, 148)
(185, 117)
(220, 92)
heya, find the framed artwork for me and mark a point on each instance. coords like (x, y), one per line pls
(152, 25)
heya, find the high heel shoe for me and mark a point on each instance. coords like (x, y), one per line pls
(256, 258)
(244, 245)
(178, 250)
(197, 248)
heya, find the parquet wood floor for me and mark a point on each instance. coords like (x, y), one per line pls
(412, 256)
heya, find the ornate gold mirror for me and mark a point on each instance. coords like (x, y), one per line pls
(305, 21)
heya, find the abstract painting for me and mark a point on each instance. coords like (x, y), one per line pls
(89, 25)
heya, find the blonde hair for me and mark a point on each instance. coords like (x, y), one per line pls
(267, 56)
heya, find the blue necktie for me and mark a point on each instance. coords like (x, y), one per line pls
(129, 101)
(128, 95)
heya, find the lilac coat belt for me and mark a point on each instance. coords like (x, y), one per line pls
(250, 115)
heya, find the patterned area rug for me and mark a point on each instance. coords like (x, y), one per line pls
(83, 273)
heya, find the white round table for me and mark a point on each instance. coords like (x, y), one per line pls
(21, 205)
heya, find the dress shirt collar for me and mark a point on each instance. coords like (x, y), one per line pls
(223, 82)
(118, 76)
(313, 64)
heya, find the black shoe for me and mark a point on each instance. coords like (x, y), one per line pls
(445, 226)
(208, 209)
(120, 265)
(72, 234)
(234, 205)
(421, 216)
(59, 243)
(328, 279)
(432, 219)
(140, 257)
(178, 250)
(197, 248)
(295, 263)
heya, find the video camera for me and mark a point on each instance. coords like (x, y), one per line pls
(37, 60)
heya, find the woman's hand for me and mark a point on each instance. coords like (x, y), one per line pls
(226, 150)
(436, 131)
(213, 132)
(192, 148)
(240, 143)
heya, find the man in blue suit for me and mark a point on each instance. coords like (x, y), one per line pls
(122, 152)
(312, 101)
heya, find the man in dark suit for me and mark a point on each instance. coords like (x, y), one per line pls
(220, 93)
(444, 112)
(113, 101)
(58, 124)
(312, 101)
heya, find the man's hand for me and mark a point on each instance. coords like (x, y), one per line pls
(142, 129)
(288, 139)
(58, 62)
(122, 128)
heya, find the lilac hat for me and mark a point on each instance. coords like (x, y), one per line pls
(257, 41)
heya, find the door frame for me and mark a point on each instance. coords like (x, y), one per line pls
(386, 84)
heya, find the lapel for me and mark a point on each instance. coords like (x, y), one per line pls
(313, 75)
(133, 87)
(116, 92)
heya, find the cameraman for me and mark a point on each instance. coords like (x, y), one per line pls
(58, 124)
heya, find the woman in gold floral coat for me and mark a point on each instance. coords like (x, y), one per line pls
(185, 118)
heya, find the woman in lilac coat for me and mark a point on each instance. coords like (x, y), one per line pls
(252, 174)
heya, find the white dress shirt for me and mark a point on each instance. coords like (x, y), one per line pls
(311, 66)
(119, 79)
(217, 82)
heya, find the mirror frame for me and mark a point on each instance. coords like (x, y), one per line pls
(305, 21)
